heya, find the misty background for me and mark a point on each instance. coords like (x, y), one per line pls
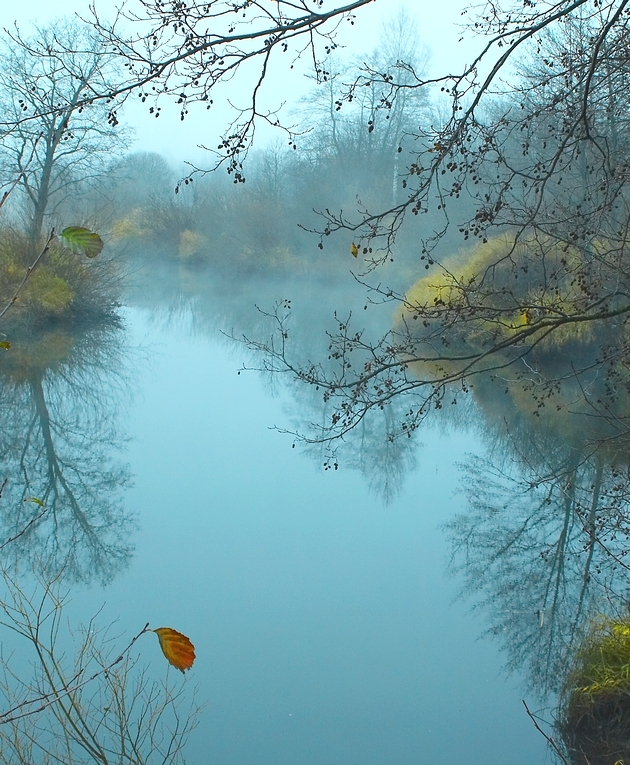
(390, 594)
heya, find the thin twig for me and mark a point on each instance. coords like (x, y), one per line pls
(48, 699)
(26, 528)
(22, 174)
(550, 741)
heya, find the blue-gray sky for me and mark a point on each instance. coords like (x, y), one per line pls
(438, 25)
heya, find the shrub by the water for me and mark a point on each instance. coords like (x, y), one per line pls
(595, 713)
(65, 289)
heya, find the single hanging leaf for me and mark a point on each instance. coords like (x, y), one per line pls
(177, 648)
(354, 250)
(81, 241)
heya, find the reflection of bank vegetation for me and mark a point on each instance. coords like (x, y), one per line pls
(539, 549)
(79, 696)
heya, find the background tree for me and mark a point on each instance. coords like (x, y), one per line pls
(355, 137)
(53, 136)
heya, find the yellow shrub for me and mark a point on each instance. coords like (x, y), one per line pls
(191, 244)
(129, 226)
(49, 292)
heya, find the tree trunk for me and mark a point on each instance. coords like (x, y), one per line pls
(43, 192)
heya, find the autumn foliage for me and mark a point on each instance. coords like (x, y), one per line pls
(177, 648)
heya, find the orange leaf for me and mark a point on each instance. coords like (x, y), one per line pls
(177, 648)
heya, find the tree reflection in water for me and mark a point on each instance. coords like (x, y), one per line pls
(60, 403)
(543, 544)
(196, 303)
(542, 555)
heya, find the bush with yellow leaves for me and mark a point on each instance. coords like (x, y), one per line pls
(191, 245)
(132, 225)
(502, 286)
(524, 305)
(65, 287)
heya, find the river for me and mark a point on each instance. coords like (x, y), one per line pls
(327, 624)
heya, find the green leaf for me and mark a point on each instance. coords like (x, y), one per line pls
(81, 241)
(4, 344)
(35, 500)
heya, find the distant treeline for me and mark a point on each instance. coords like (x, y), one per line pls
(249, 228)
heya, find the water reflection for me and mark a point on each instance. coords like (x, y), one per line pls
(61, 405)
(196, 302)
(541, 546)
(542, 556)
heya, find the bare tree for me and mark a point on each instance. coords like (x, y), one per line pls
(358, 139)
(53, 137)
(190, 50)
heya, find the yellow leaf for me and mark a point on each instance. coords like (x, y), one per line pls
(177, 648)
(354, 250)
(4, 344)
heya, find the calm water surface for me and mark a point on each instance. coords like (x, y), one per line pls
(327, 624)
